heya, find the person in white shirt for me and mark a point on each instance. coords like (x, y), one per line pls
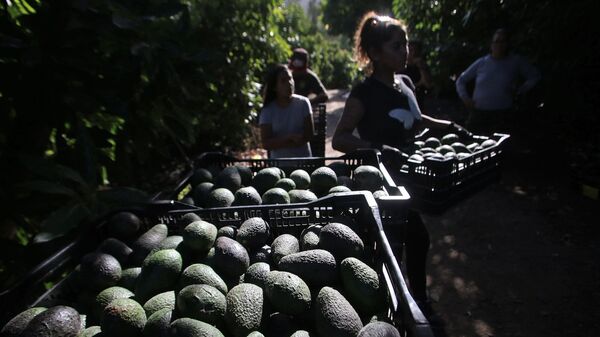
(286, 123)
(498, 76)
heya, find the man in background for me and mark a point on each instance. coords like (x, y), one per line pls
(307, 82)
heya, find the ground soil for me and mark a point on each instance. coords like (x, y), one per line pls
(519, 257)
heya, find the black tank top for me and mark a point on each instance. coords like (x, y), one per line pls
(376, 125)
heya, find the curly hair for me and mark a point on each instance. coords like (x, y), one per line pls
(372, 32)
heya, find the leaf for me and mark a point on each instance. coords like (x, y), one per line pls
(48, 187)
(61, 222)
(123, 196)
(50, 170)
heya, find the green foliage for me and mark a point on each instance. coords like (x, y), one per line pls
(342, 16)
(113, 91)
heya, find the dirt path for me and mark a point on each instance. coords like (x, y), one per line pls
(518, 258)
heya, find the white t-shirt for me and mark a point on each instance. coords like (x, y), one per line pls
(496, 81)
(285, 121)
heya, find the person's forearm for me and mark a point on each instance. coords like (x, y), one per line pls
(347, 142)
(320, 98)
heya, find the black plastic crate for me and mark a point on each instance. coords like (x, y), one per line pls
(435, 184)
(317, 143)
(292, 218)
(393, 208)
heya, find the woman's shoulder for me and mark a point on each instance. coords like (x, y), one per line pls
(299, 99)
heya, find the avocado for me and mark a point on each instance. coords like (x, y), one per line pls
(253, 233)
(188, 218)
(99, 271)
(17, 324)
(244, 309)
(227, 231)
(146, 242)
(158, 323)
(255, 334)
(129, 278)
(209, 258)
(202, 302)
(471, 147)
(488, 143)
(257, 273)
(56, 321)
(334, 315)
(283, 245)
(432, 142)
(199, 273)
(170, 242)
(426, 150)
(378, 329)
(449, 139)
(160, 272)
(338, 189)
(189, 327)
(229, 178)
(317, 267)
(200, 193)
(309, 238)
(199, 236)
(286, 183)
(341, 241)
(201, 175)
(419, 144)
(188, 199)
(361, 285)
(417, 158)
(123, 317)
(301, 196)
(160, 301)
(93, 331)
(346, 220)
(287, 292)
(123, 225)
(116, 248)
(367, 177)
(300, 333)
(105, 297)
(275, 195)
(459, 147)
(245, 173)
(322, 180)
(340, 168)
(247, 196)
(262, 254)
(301, 179)
(463, 155)
(220, 197)
(266, 179)
(231, 258)
(445, 149)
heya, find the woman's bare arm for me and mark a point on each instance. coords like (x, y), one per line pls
(343, 139)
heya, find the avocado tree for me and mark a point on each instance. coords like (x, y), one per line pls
(109, 93)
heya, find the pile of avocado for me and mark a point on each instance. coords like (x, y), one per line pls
(229, 281)
(447, 147)
(238, 186)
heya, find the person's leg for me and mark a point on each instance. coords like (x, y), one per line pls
(417, 247)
